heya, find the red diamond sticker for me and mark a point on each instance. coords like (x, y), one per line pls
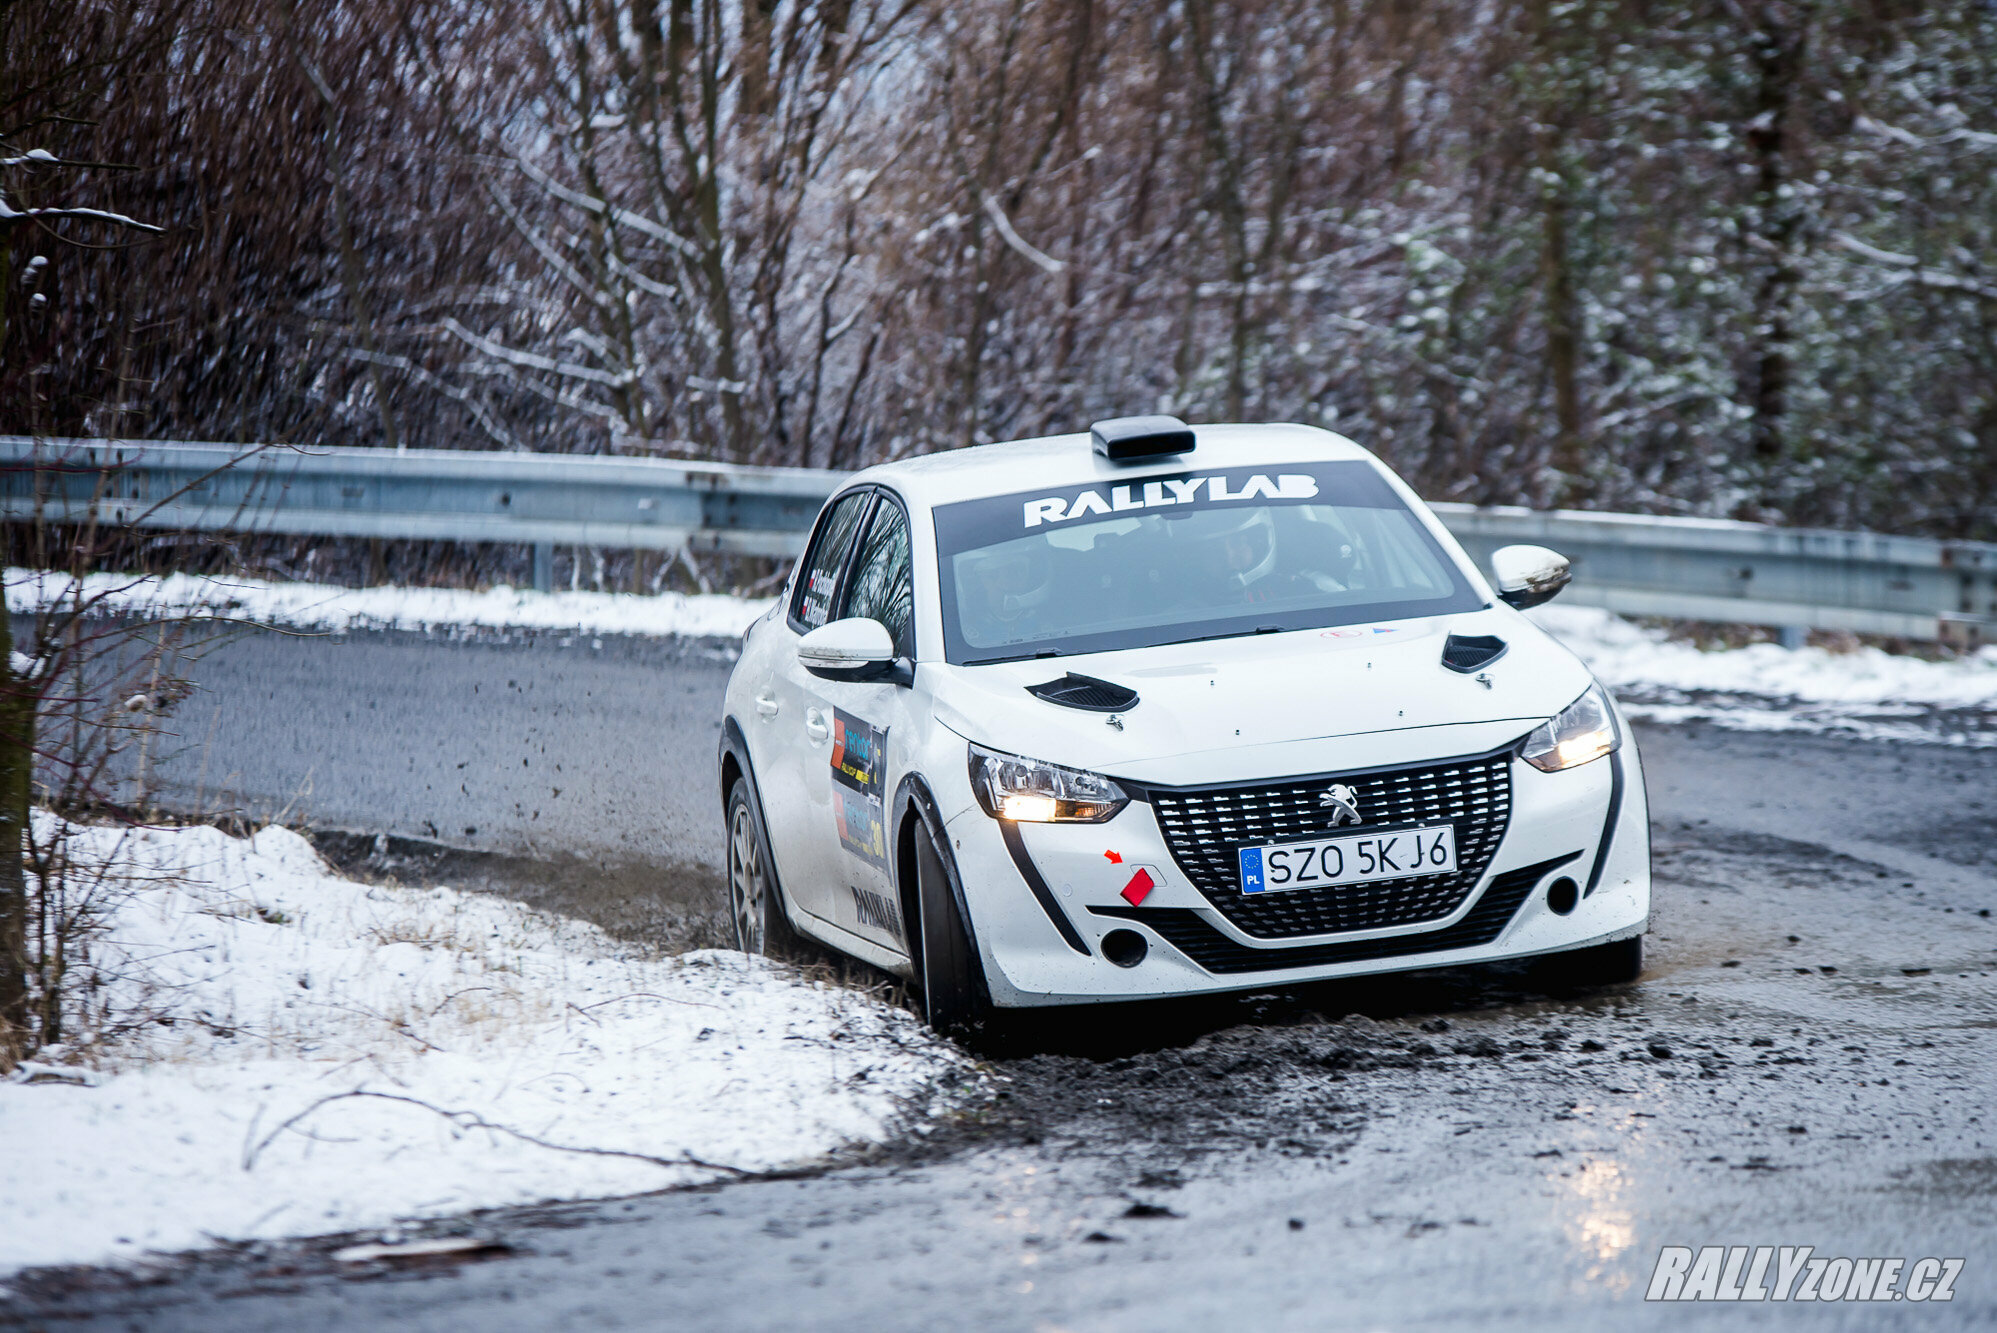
(1139, 888)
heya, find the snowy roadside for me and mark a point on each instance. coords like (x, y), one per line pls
(325, 608)
(1765, 687)
(328, 1056)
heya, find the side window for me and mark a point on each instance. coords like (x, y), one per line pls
(818, 579)
(882, 586)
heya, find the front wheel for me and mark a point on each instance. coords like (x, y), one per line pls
(1608, 964)
(754, 901)
(954, 998)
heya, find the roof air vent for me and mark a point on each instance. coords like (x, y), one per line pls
(1469, 652)
(1129, 439)
(1087, 693)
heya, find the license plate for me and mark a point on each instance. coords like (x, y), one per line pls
(1362, 858)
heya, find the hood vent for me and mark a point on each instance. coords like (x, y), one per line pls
(1470, 652)
(1086, 693)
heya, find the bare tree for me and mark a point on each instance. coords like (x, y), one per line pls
(679, 209)
(56, 72)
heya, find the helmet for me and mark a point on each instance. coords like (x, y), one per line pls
(1238, 545)
(1015, 578)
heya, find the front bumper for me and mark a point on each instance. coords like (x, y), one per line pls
(1556, 830)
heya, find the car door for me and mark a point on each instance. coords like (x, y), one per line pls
(785, 753)
(855, 726)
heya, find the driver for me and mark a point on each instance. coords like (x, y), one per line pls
(1235, 549)
(1238, 551)
(1014, 584)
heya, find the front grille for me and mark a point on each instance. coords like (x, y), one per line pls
(1205, 828)
(1186, 931)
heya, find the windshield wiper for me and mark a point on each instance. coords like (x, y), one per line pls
(1225, 634)
(1016, 657)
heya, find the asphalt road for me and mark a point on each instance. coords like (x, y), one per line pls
(532, 744)
(1808, 1059)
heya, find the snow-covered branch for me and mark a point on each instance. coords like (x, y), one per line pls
(638, 222)
(1046, 263)
(1908, 269)
(534, 360)
(487, 420)
(9, 214)
(1961, 134)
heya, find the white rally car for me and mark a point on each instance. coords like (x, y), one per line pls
(1157, 711)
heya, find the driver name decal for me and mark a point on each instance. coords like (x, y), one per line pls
(1169, 491)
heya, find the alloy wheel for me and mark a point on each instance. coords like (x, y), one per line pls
(747, 888)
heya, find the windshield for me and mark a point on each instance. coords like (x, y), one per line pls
(1193, 555)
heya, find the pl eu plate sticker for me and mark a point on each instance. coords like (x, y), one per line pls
(859, 762)
(1252, 880)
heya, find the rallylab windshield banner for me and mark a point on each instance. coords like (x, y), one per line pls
(1167, 492)
(974, 523)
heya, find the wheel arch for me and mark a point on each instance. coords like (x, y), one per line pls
(734, 765)
(914, 803)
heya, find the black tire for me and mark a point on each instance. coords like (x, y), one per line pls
(955, 1000)
(1609, 964)
(755, 900)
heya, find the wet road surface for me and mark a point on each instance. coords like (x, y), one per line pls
(1808, 1060)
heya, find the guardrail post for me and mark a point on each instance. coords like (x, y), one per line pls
(1792, 636)
(544, 566)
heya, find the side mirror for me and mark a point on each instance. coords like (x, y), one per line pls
(852, 649)
(1528, 575)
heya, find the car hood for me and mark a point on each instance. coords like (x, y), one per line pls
(1255, 702)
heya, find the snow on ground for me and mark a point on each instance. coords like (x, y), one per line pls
(1765, 686)
(342, 1055)
(315, 606)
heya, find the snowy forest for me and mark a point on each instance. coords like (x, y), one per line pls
(1725, 257)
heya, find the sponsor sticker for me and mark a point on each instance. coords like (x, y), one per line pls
(859, 770)
(862, 831)
(1796, 1273)
(876, 910)
(858, 752)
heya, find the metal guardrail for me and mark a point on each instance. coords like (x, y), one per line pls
(1696, 569)
(541, 500)
(1755, 574)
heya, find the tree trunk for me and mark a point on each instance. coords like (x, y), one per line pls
(1556, 116)
(1563, 342)
(17, 750)
(1778, 59)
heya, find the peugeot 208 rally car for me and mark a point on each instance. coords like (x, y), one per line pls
(1154, 711)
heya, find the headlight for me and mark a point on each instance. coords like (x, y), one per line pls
(1029, 791)
(1584, 731)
